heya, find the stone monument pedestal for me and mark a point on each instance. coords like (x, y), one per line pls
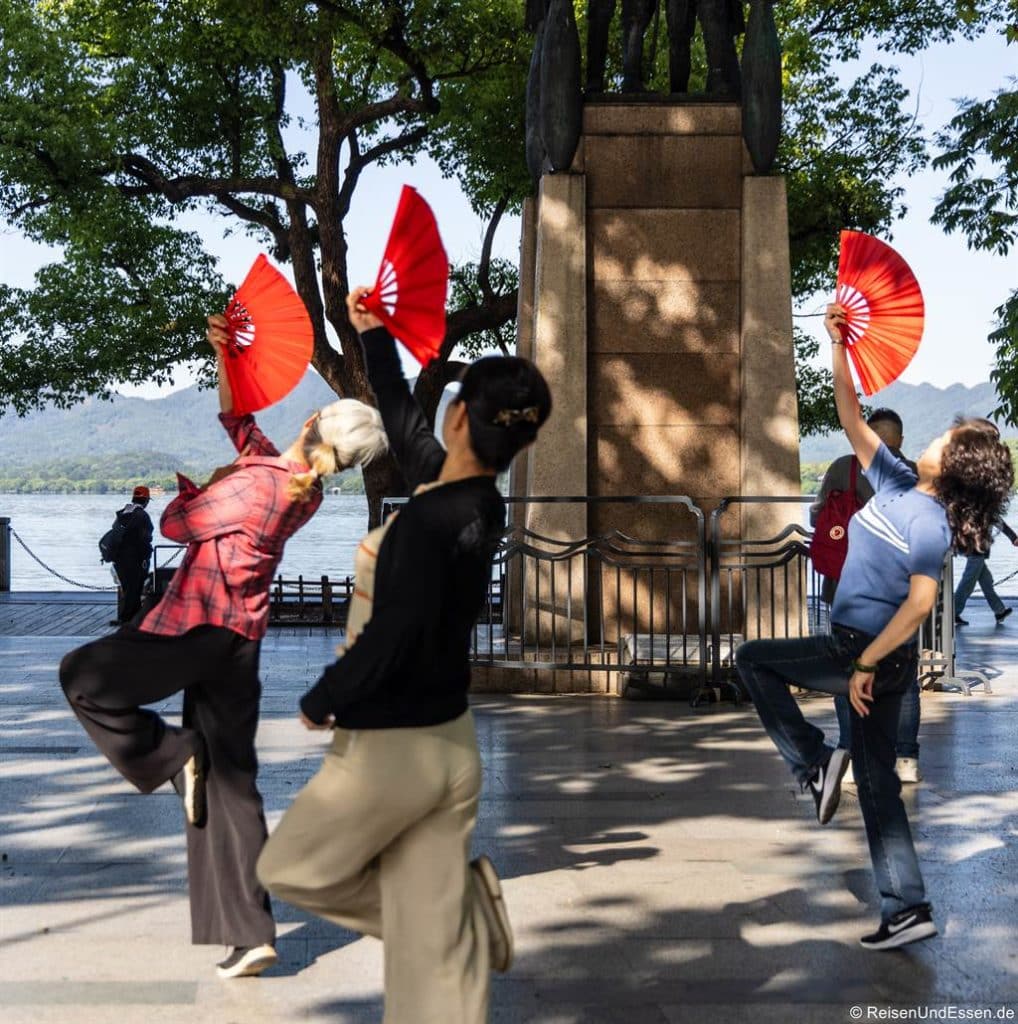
(655, 295)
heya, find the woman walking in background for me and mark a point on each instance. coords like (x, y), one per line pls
(896, 551)
(379, 840)
(977, 571)
(204, 639)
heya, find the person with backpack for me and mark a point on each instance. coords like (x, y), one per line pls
(843, 491)
(128, 545)
(888, 587)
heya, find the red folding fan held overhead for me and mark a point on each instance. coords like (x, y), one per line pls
(271, 339)
(409, 295)
(884, 309)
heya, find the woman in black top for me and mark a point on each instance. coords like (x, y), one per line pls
(379, 839)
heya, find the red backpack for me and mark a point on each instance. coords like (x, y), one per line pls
(829, 545)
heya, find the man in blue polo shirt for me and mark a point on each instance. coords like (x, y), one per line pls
(897, 546)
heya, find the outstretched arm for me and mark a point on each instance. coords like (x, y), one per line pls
(862, 437)
(219, 338)
(413, 442)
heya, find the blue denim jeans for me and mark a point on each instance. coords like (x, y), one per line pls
(976, 571)
(824, 664)
(907, 742)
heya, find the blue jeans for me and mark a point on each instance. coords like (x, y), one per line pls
(824, 664)
(907, 742)
(976, 571)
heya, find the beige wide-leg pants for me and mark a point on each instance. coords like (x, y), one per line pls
(379, 841)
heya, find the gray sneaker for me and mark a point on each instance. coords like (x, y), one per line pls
(495, 913)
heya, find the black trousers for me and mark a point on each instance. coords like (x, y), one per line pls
(107, 681)
(132, 580)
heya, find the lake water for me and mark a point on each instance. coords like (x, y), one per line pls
(64, 529)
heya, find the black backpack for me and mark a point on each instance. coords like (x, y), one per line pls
(112, 540)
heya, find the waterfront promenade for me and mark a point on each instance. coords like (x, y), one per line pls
(660, 865)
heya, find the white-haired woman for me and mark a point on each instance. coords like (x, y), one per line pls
(204, 638)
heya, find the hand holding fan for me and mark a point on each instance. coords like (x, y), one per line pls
(410, 292)
(271, 339)
(883, 306)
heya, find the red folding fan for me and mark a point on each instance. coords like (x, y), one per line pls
(409, 295)
(271, 339)
(884, 309)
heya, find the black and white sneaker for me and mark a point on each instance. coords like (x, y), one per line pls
(826, 785)
(495, 913)
(246, 961)
(909, 925)
(189, 783)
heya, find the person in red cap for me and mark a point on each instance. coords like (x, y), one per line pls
(132, 532)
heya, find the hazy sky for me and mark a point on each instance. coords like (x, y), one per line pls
(961, 288)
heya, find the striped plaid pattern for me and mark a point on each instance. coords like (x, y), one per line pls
(235, 530)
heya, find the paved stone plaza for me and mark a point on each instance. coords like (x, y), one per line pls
(660, 866)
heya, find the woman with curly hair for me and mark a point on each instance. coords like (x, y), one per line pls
(896, 551)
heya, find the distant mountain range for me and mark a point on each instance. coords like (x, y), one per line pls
(182, 429)
(925, 410)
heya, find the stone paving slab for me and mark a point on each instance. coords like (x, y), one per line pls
(660, 866)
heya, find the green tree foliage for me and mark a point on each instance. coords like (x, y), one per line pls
(981, 201)
(122, 120)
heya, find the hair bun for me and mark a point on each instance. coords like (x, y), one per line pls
(509, 417)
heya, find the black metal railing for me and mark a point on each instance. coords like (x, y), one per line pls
(603, 602)
(763, 587)
(301, 600)
(664, 603)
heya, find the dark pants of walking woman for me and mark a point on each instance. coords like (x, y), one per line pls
(107, 681)
(824, 664)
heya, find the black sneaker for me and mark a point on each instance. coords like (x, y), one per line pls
(826, 785)
(909, 925)
(959, 621)
(189, 783)
(1001, 616)
(246, 961)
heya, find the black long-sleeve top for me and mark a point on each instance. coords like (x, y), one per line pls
(409, 666)
(136, 547)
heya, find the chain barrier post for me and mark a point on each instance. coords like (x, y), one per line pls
(5, 554)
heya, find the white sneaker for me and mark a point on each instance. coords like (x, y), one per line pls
(246, 961)
(848, 779)
(495, 913)
(908, 770)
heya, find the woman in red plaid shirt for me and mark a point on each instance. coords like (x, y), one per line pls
(203, 638)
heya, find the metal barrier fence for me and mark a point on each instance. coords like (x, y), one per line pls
(769, 588)
(759, 588)
(569, 592)
(319, 601)
(567, 598)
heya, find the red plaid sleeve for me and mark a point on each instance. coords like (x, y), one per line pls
(186, 487)
(246, 436)
(220, 508)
